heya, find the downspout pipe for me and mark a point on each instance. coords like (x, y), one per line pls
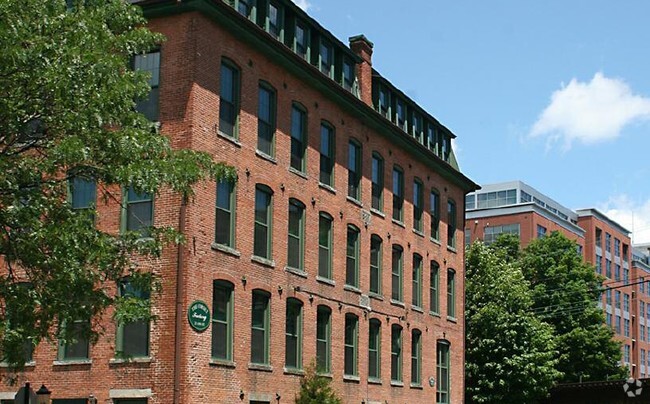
(180, 264)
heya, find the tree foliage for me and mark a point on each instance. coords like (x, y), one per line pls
(510, 354)
(316, 389)
(67, 110)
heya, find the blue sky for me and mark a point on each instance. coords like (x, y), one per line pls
(553, 93)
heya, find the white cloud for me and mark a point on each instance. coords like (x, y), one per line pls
(631, 214)
(304, 4)
(590, 112)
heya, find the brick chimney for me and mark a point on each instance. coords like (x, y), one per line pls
(363, 48)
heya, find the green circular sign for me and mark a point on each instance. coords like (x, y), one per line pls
(199, 315)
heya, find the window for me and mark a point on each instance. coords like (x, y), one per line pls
(451, 223)
(431, 137)
(14, 309)
(401, 115)
(77, 346)
(451, 293)
(599, 265)
(416, 358)
(396, 291)
(326, 57)
(293, 334)
(266, 117)
(132, 336)
(417, 280)
(323, 334)
(326, 154)
(348, 74)
(608, 268)
(396, 353)
(354, 170)
(222, 320)
(497, 198)
(617, 247)
(275, 21)
(541, 231)
(374, 349)
(325, 245)
(301, 40)
(375, 264)
(398, 194)
(139, 211)
(434, 288)
(491, 233)
(608, 242)
(626, 302)
(352, 257)
(617, 272)
(150, 63)
(298, 137)
(617, 299)
(262, 232)
(260, 327)
(384, 102)
(229, 99)
(626, 327)
(434, 207)
(417, 127)
(618, 324)
(377, 182)
(225, 214)
(351, 337)
(626, 354)
(83, 193)
(296, 241)
(246, 8)
(470, 202)
(442, 373)
(608, 297)
(418, 204)
(599, 237)
(468, 238)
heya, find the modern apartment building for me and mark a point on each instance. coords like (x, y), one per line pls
(340, 244)
(515, 207)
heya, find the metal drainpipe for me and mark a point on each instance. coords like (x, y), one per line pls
(179, 304)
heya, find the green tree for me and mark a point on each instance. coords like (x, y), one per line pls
(316, 389)
(67, 110)
(565, 292)
(510, 354)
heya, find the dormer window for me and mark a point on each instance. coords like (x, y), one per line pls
(325, 58)
(301, 40)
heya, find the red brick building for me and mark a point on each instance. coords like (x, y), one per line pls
(341, 243)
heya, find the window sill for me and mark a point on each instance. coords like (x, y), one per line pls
(298, 173)
(417, 308)
(354, 201)
(294, 371)
(396, 383)
(351, 378)
(435, 241)
(27, 364)
(418, 232)
(399, 223)
(265, 156)
(139, 359)
(327, 375)
(225, 249)
(229, 138)
(296, 271)
(372, 380)
(327, 188)
(261, 367)
(397, 303)
(452, 319)
(326, 281)
(263, 261)
(72, 362)
(451, 249)
(352, 289)
(376, 296)
(377, 213)
(224, 363)
(434, 314)
(416, 386)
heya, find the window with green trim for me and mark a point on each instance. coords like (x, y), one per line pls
(323, 336)
(400, 115)
(246, 8)
(326, 154)
(451, 223)
(275, 20)
(377, 182)
(396, 353)
(83, 193)
(418, 127)
(375, 264)
(229, 99)
(296, 233)
(260, 320)
(354, 170)
(418, 204)
(352, 257)
(222, 319)
(150, 63)
(451, 293)
(262, 232)
(434, 288)
(396, 287)
(132, 336)
(225, 214)
(416, 357)
(266, 119)
(293, 334)
(301, 40)
(325, 245)
(139, 211)
(374, 349)
(326, 58)
(398, 194)
(348, 76)
(434, 211)
(351, 340)
(417, 281)
(442, 373)
(77, 346)
(298, 137)
(384, 102)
